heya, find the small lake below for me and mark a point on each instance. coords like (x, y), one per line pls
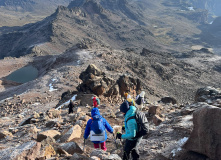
(23, 75)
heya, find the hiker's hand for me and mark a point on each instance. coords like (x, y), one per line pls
(123, 128)
(118, 136)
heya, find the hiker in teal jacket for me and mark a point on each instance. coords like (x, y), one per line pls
(131, 144)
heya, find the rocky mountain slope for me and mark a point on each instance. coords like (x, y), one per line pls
(118, 28)
(107, 48)
(21, 12)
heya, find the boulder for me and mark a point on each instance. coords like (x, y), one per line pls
(168, 100)
(71, 148)
(53, 113)
(114, 157)
(4, 134)
(26, 121)
(128, 84)
(154, 110)
(76, 156)
(49, 133)
(28, 150)
(85, 99)
(47, 152)
(70, 134)
(206, 135)
(203, 94)
(100, 154)
(95, 81)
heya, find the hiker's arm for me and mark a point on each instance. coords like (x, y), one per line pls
(87, 129)
(108, 126)
(131, 125)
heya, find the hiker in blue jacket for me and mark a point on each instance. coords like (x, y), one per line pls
(131, 144)
(95, 114)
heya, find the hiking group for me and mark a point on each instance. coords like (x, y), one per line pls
(135, 126)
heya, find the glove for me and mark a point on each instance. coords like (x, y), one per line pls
(118, 136)
(123, 128)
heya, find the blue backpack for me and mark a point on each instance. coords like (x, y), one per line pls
(97, 124)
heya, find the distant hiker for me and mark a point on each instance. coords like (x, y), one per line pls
(125, 95)
(140, 100)
(96, 128)
(130, 101)
(96, 101)
(71, 106)
(136, 125)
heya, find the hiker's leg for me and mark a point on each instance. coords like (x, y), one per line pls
(135, 152)
(96, 145)
(127, 149)
(103, 146)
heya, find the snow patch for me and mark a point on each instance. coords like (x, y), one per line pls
(66, 103)
(179, 144)
(51, 88)
(191, 8)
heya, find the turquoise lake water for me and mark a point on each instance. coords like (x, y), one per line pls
(23, 75)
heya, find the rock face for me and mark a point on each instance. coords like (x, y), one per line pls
(206, 135)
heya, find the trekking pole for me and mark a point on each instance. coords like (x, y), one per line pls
(115, 141)
(84, 144)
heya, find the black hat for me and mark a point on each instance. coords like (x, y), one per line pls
(124, 107)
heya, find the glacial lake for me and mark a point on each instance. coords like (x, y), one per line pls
(23, 75)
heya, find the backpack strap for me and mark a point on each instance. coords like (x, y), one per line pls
(132, 117)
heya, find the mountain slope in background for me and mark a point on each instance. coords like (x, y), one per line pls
(133, 24)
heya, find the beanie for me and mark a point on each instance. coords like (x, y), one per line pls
(124, 107)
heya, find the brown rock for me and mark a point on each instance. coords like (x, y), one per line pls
(206, 135)
(3, 134)
(157, 120)
(73, 132)
(47, 152)
(49, 133)
(53, 113)
(154, 110)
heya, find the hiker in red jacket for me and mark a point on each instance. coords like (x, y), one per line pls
(96, 101)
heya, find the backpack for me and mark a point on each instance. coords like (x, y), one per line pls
(139, 100)
(97, 124)
(142, 124)
(97, 132)
(98, 101)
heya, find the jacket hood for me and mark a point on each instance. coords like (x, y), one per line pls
(130, 112)
(94, 112)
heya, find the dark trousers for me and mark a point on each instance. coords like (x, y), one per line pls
(131, 149)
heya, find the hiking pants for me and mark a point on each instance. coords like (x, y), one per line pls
(131, 149)
(103, 145)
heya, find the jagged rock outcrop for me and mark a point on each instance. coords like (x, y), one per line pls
(206, 135)
(96, 82)
(128, 84)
